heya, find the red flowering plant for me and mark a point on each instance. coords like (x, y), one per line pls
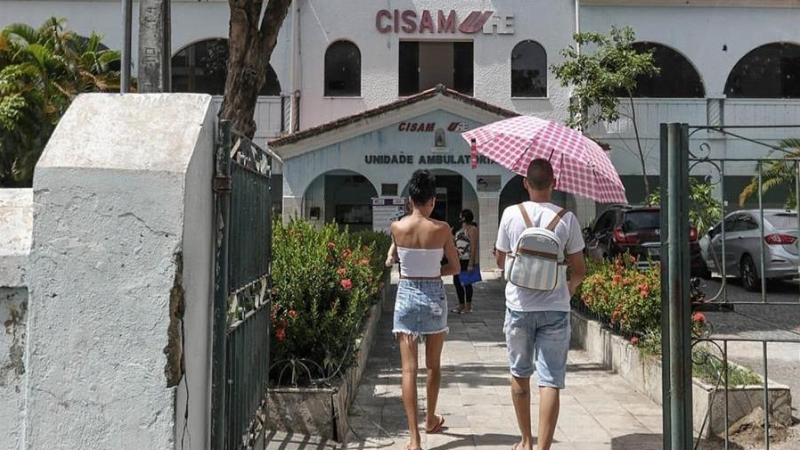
(324, 282)
(626, 298)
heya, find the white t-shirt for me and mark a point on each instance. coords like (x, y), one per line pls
(569, 233)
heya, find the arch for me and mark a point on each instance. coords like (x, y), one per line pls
(201, 67)
(454, 193)
(678, 77)
(769, 71)
(342, 70)
(528, 70)
(342, 196)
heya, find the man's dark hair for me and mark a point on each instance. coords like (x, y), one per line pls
(422, 187)
(540, 174)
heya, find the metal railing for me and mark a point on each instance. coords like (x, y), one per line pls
(242, 289)
(730, 320)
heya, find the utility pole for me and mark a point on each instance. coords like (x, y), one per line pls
(155, 49)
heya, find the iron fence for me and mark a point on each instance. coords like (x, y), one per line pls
(731, 320)
(242, 290)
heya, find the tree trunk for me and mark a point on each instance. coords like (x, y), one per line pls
(639, 147)
(251, 41)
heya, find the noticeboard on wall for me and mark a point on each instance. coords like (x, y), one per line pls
(386, 210)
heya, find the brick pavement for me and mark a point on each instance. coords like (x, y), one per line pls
(599, 410)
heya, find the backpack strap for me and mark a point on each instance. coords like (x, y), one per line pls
(552, 225)
(525, 216)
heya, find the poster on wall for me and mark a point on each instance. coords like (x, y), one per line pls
(386, 210)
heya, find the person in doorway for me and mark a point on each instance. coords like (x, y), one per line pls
(420, 311)
(537, 323)
(466, 238)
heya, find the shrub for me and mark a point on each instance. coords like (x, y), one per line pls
(325, 280)
(626, 298)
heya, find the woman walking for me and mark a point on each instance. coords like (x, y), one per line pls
(420, 312)
(467, 245)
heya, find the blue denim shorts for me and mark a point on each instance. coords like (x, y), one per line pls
(420, 308)
(540, 337)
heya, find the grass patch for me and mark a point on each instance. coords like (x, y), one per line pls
(709, 368)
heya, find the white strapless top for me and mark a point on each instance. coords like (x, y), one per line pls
(420, 262)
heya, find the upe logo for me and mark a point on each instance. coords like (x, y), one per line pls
(459, 127)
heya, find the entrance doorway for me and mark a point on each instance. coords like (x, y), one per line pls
(453, 194)
(514, 192)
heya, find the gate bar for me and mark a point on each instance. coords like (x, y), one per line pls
(679, 407)
(222, 191)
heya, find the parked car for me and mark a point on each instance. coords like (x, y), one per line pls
(635, 230)
(743, 246)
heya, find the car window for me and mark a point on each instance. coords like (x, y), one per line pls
(605, 222)
(747, 223)
(782, 221)
(641, 220)
(731, 224)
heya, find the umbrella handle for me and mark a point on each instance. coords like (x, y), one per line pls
(552, 150)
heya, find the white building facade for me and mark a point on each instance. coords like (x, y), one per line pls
(353, 87)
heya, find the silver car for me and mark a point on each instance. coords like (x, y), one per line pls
(743, 246)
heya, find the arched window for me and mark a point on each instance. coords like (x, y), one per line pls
(203, 66)
(769, 71)
(343, 70)
(528, 70)
(677, 78)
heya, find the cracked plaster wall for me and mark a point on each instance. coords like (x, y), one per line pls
(123, 196)
(16, 221)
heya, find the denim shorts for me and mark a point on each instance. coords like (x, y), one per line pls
(420, 308)
(540, 337)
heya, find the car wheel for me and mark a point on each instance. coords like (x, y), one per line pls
(748, 274)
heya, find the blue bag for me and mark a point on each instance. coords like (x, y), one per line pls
(466, 278)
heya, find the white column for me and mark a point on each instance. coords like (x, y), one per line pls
(488, 205)
(585, 210)
(292, 207)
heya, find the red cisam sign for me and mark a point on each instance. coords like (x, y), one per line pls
(440, 21)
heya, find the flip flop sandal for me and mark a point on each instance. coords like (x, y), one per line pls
(456, 311)
(437, 428)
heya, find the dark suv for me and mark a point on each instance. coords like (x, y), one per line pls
(635, 230)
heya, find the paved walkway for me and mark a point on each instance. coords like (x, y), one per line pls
(599, 410)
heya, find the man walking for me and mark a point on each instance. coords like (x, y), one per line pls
(537, 323)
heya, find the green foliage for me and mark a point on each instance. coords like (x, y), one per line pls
(41, 72)
(325, 281)
(627, 298)
(599, 77)
(704, 209)
(777, 174)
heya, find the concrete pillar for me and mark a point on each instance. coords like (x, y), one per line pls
(121, 276)
(16, 221)
(585, 210)
(489, 204)
(292, 207)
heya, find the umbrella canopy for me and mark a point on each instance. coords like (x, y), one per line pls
(581, 166)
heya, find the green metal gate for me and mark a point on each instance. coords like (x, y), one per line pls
(242, 289)
(730, 320)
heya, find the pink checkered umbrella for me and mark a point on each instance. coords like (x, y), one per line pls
(581, 166)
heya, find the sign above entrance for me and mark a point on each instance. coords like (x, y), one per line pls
(440, 22)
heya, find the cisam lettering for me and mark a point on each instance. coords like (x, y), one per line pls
(411, 22)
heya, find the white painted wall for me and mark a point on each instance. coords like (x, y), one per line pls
(191, 22)
(701, 33)
(323, 22)
(114, 215)
(16, 220)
